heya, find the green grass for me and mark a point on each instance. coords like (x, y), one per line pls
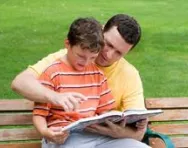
(29, 30)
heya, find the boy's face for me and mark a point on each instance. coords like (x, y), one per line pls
(80, 58)
(114, 49)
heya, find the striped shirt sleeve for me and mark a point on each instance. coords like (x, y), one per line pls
(42, 109)
(107, 101)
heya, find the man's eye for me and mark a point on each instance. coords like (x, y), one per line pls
(119, 53)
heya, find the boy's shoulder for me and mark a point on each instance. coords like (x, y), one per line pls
(93, 68)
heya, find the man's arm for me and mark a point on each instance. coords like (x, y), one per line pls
(117, 130)
(26, 84)
(132, 98)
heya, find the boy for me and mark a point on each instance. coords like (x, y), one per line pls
(74, 72)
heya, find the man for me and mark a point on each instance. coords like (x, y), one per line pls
(121, 34)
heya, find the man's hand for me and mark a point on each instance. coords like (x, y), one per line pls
(117, 130)
(140, 125)
(112, 130)
(55, 135)
(69, 101)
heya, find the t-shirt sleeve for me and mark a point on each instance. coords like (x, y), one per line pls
(41, 65)
(42, 109)
(106, 102)
(133, 94)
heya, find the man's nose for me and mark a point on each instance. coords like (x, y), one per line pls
(109, 54)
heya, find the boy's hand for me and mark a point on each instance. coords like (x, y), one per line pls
(69, 101)
(55, 135)
(142, 124)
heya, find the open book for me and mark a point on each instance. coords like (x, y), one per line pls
(130, 116)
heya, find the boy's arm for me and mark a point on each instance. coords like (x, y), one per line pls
(53, 134)
(40, 124)
(42, 110)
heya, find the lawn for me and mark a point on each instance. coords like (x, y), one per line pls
(29, 30)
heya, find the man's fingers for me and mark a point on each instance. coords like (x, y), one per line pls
(74, 102)
(110, 124)
(141, 124)
(90, 129)
(98, 129)
(65, 107)
(123, 123)
(79, 96)
(69, 105)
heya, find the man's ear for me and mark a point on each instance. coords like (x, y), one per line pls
(67, 44)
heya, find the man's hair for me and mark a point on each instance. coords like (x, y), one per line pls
(127, 26)
(86, 32)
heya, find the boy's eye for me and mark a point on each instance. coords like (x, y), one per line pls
(80, 56)
(93, 58)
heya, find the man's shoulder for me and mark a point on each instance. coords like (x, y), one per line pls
(53, 67)
(126, 66)
(62, 51)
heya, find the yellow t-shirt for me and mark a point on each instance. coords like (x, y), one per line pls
(123, 79)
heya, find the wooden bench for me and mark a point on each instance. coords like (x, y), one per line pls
(174, 120)
(16, 130)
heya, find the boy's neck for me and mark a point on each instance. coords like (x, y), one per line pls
(65, 60)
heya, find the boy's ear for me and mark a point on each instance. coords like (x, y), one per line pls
(67, 44)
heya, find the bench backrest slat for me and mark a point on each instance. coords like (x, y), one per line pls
(171, 129)
(16, 105)
(19, 134)
(21, 145)
(16, 119)
(180, 142)
(171, 115)
(166, 103)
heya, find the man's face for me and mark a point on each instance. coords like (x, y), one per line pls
(80, 58)
(115, 48)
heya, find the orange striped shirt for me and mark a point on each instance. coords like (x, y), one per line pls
(91, 83)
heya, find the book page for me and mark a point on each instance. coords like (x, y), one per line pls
(113, 116)
(131, 116)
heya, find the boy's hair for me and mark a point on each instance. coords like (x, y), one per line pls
(86, 32)
(127, 26)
